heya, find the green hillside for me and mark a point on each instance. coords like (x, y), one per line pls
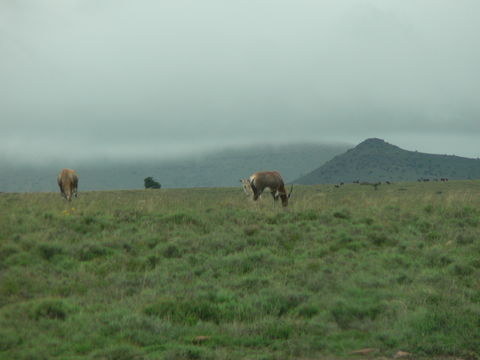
(375, 160)
(205, 274)
(223, 167)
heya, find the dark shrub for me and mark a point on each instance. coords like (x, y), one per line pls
(150, 183)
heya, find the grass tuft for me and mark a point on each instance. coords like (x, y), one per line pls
(54, 309)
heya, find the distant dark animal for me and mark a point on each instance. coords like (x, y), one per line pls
(387, 182)
(356, 181)
(67, 180)
(443, 179)
(262, 180)
(375, 185)
(337, 186)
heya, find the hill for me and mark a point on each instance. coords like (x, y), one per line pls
(376, 160)
(223, 167)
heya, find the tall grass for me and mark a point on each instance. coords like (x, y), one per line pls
(208, 274)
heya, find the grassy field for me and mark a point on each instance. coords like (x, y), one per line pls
(208, 274)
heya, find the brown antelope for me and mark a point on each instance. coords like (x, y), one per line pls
(67, 180)
(262, 180)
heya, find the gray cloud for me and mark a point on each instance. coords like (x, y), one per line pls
(129, 78)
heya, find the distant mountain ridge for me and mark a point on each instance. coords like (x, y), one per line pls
(376, 160)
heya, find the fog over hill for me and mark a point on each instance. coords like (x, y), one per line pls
(376, 160)
(223, 167)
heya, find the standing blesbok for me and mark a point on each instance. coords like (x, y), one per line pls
(67, 180)
(262, 180)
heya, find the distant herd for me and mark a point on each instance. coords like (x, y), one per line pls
(425, 180)
(67, 181)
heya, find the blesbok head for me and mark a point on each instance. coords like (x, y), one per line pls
(271, 180)
(247, 188)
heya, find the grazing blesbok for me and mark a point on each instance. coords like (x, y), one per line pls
(262, 180)
(67, 180)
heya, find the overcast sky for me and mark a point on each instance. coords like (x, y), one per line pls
(133, 77)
